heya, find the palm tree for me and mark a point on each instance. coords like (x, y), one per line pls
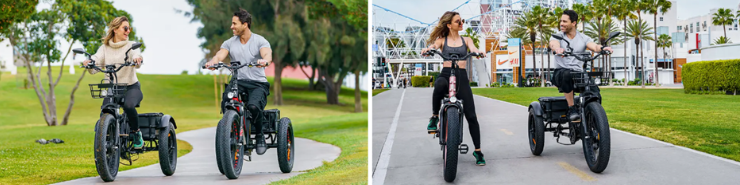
(640, 31)
(623, 12)
(600, 30)
(722, 40)
(529, 23)
(664, 41)
(723, 17)
(654, 7)
(584, 14)
(540, 16)
(554, 22)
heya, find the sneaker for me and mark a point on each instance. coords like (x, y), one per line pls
(433, 123)
(574, 115)
(479, 158)
(261, 145)
(138, 140)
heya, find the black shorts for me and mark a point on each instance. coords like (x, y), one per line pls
(563, 79)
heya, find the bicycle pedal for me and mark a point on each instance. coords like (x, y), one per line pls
(463, 148)
(432, 131)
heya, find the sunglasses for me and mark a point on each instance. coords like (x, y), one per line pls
(125, 28)
(461, 21)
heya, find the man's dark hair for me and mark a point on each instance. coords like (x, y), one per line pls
(572, 14)
(244, 17)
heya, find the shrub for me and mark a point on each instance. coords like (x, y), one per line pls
(711, 77)
(420, 81)
(473, 84)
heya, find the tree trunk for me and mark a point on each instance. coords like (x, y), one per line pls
(548, 65)
(332, 97)
(655, 65)
(51, 99)
(642, 67)
(40, 94)
(534, 58)
(358, 96)
(72, 99)
(310, 78)
(278, 83)
(625, 56)
(542, 64)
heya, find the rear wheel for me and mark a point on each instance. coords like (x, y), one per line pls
(452, 138)
(598, 147)
(168, 150)
(286, 145)
(229, 148)
(106, 148)
(536, 133)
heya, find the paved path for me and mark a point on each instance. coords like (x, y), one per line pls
(199, 166)
(415, 158)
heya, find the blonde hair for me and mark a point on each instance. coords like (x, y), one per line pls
(441, 29)
(114, 25)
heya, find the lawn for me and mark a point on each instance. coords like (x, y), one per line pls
(349, 132)
(189, 99)
(378, 91)
(707, 123)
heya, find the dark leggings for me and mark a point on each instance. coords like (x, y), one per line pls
(464, 93)
(256, 101)
(132, 98)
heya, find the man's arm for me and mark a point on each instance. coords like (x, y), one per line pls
(593, 47)
(266, 54)
(220, 56)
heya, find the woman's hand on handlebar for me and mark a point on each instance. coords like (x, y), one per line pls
(137, 61)
(425, 50)
(86, 62)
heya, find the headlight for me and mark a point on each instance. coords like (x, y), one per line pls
(104, 93)
(453, 99)
(230, 95)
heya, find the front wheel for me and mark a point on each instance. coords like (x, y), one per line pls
(286, 145)
(168, 150)
(106, 148)
(229, 144)
(598, 147)
(452, 141)
(536, 133)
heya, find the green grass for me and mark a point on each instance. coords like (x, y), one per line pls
(378, 91)
(707, 123)
(348, 132)
(190, 99)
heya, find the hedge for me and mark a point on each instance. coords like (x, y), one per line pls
(420, 81)
(711, 77)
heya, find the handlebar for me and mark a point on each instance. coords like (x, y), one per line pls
(454, 57)
(222, 65)
(109, 68)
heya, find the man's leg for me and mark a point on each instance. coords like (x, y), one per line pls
(255, 104)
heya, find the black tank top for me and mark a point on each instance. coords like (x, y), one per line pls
(460, 50)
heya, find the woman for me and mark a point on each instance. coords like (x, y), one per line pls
(113, 51)
(446, 38)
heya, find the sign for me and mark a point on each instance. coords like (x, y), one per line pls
(513, 55)
(417, 72)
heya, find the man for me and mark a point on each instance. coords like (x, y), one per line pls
(564, 66)
(248, 47)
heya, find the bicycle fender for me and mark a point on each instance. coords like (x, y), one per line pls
(536, 108)
(165, 121)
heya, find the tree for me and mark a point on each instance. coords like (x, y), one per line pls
(723, 17)
(36, 40)
(655, 7)
(541, 16)
(623, 12)
(584, 14)
(640, 31)
(13, 11)
(722, 40)
(664, 41)
(287, 40)
(529, 23)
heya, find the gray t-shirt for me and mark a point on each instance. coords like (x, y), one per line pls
(246, 53)
(578, 43)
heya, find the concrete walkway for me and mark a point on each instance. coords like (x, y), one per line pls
(199, 166)
(414, 157)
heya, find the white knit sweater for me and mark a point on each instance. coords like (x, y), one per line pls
(113, 53)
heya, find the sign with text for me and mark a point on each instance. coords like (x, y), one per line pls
(513, 55)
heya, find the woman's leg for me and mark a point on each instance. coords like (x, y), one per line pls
(466, 95)
(133, 97)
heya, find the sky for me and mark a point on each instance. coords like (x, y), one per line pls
(429, 10)
(172, 45)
